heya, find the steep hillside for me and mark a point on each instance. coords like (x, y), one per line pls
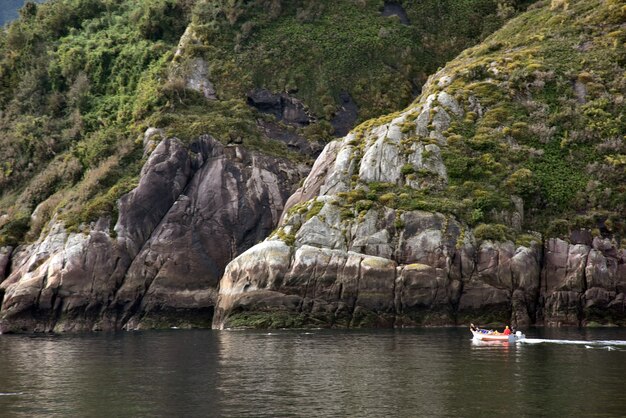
(80, 80)
(134, 134)
(498, 196)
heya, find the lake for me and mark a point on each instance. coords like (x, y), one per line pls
(310, 373)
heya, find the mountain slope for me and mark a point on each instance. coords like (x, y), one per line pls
(146, 144)
(498, 196)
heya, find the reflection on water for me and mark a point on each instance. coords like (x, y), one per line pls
(430, 372)
(350, 373)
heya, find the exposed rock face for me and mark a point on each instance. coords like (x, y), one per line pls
(294, 140)
(289, 112)
(428, 271)
(332, 265)
(197, 79)
(233, 202)
(395, 9)
(284, 107)
(5, 258)
(194, 209)
(341, 255)
(293, 112)
(344, 273)
(345, 118)
(194, 71)
(582, 283)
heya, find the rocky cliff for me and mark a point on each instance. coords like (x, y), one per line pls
(496, 196)
(101, 230)
(426, 217)
(194, 208)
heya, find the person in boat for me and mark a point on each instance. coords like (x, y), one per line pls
(507, 331)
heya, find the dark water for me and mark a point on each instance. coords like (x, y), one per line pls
(428, 372)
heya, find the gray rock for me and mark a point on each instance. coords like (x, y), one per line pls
(197, 78)
(582, 282)
(450, 103)
(321, 171)
(478, 296)
(163, 178)
(564, 266)
(318, 233)
(382, 159)
(419, 274)
(493, 265)
(562, 308)
(445, 81)
(440, 122)
(193, 210)
(232, 202)
(340, 176)
(372, 236)
(151, 138)
(5, 259)
(281, 105)
(580, 91)
(421, 287)
(194, 70)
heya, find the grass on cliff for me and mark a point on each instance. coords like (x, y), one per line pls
(317, 49)
(553, 127)
(81, 79)
(550, 128)
(70, 77)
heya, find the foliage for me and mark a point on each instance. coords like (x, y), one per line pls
(491, 232)
(70, 76)
(318, 49)
(526, 131)
(551, 126)
(81, 79)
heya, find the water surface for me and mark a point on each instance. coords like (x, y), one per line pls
(376, 373)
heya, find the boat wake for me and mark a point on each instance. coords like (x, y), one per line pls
(604, 344)
(11, 393)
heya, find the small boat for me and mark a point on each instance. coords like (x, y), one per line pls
(485, 335)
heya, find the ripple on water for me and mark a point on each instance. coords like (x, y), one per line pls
(428, 372)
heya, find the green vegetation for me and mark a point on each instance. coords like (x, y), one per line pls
(492, 232)
(551, 90)
(316, 49)
(543, 120)
(267, 320)
(70, 74)
(80, 80)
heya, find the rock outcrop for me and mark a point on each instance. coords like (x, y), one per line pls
(583, 284)
(393, 268)
(385, 267)
(193, 70)
(427, 216)
(375, 236)
(194, 209)
(389, 269)
(284, 107)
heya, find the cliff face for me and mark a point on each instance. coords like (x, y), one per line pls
(194, 208)
(497, 196)
(428, 276)
(98, 233)
(425, 217)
